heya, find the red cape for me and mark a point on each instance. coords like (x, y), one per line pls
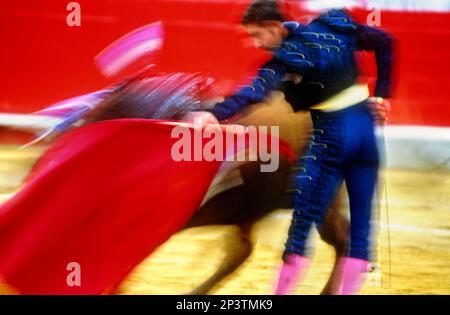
(104, 196)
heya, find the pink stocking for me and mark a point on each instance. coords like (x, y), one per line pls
(353, 275)
(293, 270)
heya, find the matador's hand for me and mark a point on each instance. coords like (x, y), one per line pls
(380, 110)
(202, 118)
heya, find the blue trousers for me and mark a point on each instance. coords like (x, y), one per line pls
(343, 147)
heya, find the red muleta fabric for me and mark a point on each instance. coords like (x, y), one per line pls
(104, 196)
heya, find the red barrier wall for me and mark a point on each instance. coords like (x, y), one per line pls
(42, 60)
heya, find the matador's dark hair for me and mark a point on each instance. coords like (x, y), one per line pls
(261, 11)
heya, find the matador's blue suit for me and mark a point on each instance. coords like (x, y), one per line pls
(343, 147)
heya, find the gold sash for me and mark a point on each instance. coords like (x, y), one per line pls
(351, 96)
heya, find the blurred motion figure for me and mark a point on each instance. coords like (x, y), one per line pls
(318, 59)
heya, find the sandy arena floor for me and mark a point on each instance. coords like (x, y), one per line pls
(415, 261)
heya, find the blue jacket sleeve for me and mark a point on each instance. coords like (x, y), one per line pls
(269, 77)
(373, 39)
(293, 55)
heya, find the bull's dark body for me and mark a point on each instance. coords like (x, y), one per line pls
(259, 195)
